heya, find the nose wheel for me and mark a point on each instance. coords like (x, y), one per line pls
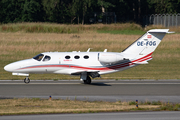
(27, 80)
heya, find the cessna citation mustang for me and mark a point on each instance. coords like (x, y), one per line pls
(90, 64)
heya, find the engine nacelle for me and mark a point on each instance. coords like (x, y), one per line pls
(109, 57)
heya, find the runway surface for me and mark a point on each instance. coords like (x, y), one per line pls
(104, 90)
(165, 115)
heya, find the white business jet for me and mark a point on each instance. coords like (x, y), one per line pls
(88, 64)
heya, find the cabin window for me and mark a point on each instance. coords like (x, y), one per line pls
(46, 58)
(86, 57)
(38, 57)
(67, 57)
(76, 57)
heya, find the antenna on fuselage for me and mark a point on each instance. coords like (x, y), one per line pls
(89, 49)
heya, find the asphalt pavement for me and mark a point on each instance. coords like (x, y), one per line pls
(162, 115)
(102, 90)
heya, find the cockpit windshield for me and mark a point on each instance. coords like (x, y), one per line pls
(38, 57)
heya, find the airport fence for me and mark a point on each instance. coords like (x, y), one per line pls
(166, 20)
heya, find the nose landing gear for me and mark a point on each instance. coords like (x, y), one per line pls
(27, 80)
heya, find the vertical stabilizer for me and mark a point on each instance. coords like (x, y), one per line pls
(146, 44)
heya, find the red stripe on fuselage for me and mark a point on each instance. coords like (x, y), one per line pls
(83, 68)
(142, 59)
(113, 67)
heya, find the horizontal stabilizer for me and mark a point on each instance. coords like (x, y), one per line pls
(159, 31)
(144, 62)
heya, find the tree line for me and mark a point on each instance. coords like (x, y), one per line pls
(81, 11)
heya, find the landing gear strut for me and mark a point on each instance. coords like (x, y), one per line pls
(26, 80)
(88, 80)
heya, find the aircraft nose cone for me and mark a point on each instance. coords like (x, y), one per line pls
(8, 68)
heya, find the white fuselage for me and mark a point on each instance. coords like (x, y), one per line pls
(77, 62)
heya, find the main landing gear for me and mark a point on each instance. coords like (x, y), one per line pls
(85, 77)
(88, 80)
(27, 80)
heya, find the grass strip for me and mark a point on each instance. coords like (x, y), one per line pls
(118, 28)
(63, 28)
(126, 32)
(44, 106)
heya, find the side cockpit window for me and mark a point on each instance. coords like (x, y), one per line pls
(38, 57)
(46, 58)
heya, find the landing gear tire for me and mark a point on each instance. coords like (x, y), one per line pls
(88, 80)
(26, 80)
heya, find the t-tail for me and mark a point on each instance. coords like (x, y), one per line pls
(140, 51)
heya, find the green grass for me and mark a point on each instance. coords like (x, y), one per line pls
(126, 32)
(127, 28)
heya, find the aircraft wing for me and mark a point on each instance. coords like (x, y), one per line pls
(93, 74)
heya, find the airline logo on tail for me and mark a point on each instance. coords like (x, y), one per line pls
(149, 36)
